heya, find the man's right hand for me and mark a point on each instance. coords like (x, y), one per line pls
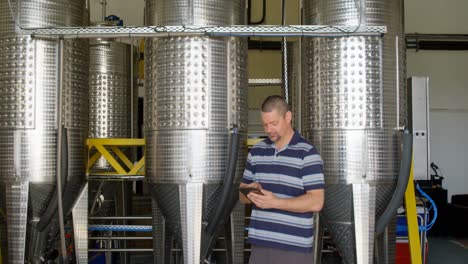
(242, 197)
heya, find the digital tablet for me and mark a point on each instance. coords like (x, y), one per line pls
(247, 190)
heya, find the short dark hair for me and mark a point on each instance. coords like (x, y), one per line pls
(275, 102)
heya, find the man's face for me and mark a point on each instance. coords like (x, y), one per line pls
(275, 124)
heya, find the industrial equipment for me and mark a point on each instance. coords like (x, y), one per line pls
(355, 101)
(43, 125)
(110, 91)
(418, 99)
(113, 115)
(195, 94)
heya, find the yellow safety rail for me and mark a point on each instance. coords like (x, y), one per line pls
(102, 147)
(412, 220)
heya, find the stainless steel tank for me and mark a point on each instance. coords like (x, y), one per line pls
(110, 111)
(354, 100)
(195, 92)
(28, 123)
(294, 76)
(110, 95)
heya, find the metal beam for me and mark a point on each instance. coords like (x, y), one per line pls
(211, 31)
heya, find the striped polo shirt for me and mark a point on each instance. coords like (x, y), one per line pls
(289, 172)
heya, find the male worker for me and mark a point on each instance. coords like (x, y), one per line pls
(286, 171)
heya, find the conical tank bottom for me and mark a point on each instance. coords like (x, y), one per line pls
(13, 221)
(350, 213)
(338, 215)
(186, 209)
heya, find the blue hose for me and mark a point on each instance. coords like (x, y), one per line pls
(423, 228)
(433, 206)
(121, 228)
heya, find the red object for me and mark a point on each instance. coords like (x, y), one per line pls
(403, 255)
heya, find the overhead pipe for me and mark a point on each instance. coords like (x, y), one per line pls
(59, 148)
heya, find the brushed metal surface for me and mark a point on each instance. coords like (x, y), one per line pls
(354, 62)
(338, 216)
(196, 91)
(80, 226)
(195, 12)
(35, 240)
(39, 198)
(355, 95)
(159, 235)
(237, 233)
(364, 198)
(358, 155)
(28, 118)
(237, 79)
(191, 209)
(110, 92)
(13, 221)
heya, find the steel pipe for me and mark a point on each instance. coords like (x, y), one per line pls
(58, 170)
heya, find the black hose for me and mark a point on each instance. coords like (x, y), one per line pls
(228, 192)
(400, 189)
(51, 210)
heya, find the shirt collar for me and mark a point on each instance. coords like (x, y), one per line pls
(294, 140)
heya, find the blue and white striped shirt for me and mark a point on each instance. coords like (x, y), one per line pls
(289, 172)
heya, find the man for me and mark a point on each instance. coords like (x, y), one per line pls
(287, 172)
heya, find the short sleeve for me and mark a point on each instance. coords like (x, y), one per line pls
(312, 171)
(249, 171)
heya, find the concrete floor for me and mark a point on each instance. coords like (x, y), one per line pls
(444, 250)
(441, 250)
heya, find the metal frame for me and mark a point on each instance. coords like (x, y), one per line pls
(211, 31)
(265, 82)
(102, 147)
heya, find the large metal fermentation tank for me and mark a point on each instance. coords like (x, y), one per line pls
(355, 99)
(195, 92)
(28, 124)
(111, 115)
(110, 94)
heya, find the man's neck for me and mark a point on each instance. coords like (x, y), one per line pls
(285, 139)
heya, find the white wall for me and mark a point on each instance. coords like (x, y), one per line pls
(448, 92)
(131, 11)
(436, 16)
(448, 85)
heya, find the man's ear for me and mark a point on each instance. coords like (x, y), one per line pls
(288, 116)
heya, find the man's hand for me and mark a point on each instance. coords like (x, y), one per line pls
(311, 201)
(242, 197)
(266, 201)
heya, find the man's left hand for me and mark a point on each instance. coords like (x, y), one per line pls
(266, 201)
